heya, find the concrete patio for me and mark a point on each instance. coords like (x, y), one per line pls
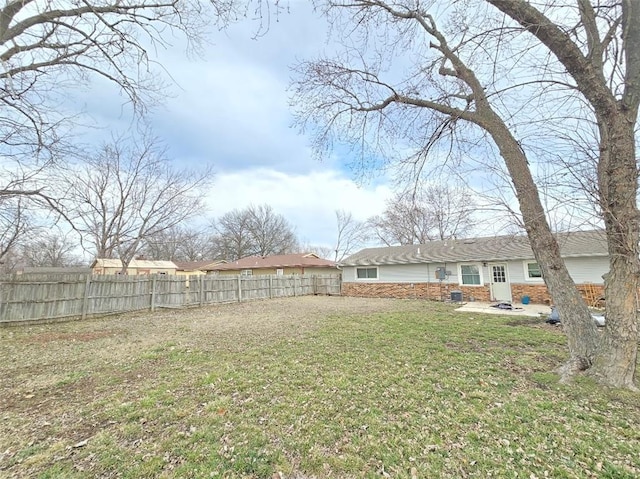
(534, 310)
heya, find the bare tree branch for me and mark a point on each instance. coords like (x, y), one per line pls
(254, 231)
(127, 193)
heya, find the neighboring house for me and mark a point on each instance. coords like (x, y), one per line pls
(305, 263)
(500, 268)
(195, 268)
(136, 266)
(53, 270)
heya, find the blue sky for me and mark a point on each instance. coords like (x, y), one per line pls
(230, 108)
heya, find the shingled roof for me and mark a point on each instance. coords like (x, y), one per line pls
(494, 248)
(196, 265)
(305, 260)
(135, 263)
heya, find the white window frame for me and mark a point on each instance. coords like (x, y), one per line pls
(480, 273)
(367, 279)
(525, 267)
(279, 271)
(246, 272)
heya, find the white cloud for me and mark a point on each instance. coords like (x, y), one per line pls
(308, 201)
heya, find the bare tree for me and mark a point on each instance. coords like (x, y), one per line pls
(14, 224)
(129, 192)
(352, 235)
(164, 245)
(232, 235)
(181, 243)
(402, 222)
(256, 230)
(431, 212)
(324, 252)
(48, 48)
(510, 72)
(270, 232)
(197, 245)
(49, 249)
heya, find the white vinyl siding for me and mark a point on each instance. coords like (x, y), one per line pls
(403, 273)
(408, 273)
(582, 270)
(588, 270)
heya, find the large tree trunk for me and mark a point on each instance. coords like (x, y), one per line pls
(616, 109)
(581, 331)
(616, 358)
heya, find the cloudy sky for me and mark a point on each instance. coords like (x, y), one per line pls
(230, 108)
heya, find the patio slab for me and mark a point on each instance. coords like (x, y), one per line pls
(534, 310)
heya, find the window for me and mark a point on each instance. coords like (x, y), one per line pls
(246, 272)
(470, 274)
(367, 273)
(280, 271)
(532, 271)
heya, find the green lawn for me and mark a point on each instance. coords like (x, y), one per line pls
(415, 391)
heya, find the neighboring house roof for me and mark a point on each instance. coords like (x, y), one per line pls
(54, 269)
(495, 248)
(135, 263)
(196, 265)
(304, 260)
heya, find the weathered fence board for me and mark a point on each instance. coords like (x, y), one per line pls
(35, 297)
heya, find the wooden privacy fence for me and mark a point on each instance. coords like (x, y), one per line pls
(48, 297)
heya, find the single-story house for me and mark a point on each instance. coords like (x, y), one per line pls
(195, 268)
(136, 266)
(284, 264)
(499, 268)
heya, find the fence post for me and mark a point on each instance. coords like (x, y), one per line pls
(85, 299)
(200, 279)
(294, 284)
(2, 310)
(239, 288)
(270, 286)
(153, 293)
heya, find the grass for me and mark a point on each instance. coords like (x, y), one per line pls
(419, 392)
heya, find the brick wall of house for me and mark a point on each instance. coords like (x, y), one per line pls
(393, 290)
(433, 291)
(537, 293)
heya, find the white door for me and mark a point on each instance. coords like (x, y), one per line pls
(500, 287)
